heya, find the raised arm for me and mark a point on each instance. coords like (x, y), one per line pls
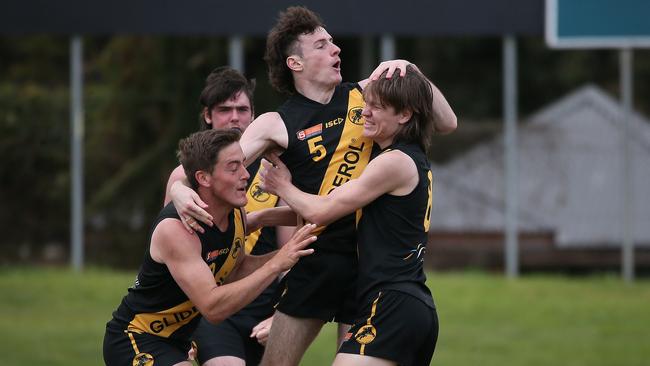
(445, 119)
(380, 176)
(173, 246)
(266, 132)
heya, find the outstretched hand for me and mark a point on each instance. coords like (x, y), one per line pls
(274, 174)
(190, 207)
(294, 249)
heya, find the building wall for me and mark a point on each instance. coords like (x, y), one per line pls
(537, 252)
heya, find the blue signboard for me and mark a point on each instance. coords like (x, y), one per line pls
(597, 23)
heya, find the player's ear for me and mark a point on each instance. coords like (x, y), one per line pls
(404, 116)
(202, 178)
(206, 115)
(294, 63)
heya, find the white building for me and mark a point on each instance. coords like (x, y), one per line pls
(570, 164)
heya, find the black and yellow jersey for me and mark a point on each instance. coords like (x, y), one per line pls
(261, 241)
(326, 148)
(392, 236)
(155, 304)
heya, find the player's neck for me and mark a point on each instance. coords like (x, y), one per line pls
(218, 209)
(317, 92)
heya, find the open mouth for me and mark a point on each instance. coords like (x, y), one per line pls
(337, 65)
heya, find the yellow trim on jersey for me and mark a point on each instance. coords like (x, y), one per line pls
(257, 200)
(237, 245)
(165, 322)
(352, 153)
(135, 346)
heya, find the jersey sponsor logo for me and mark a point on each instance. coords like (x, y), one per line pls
(354, 115)
(345, 170)
(418, 252)
(143, 359)
(168, 320)
(310, 132)
(347, 337)
(366, 334)
(258, 194)
(334, 122)
(216, 253)
(352, 152)
(164, 323)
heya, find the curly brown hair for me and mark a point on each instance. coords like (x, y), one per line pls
(281, 43)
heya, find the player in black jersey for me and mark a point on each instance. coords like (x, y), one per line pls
(184, 276)
(227, 101)
(320, 132)
(396, 322)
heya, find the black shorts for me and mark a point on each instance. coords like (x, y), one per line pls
(394, 326)
(129, 348)
(229, 338)
(321, 286)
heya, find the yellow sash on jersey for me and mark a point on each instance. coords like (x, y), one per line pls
(165, 322)
(352, 153)
(257, 200)
(237, 245)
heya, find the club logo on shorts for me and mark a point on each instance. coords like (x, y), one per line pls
(366, 334)
(258, 194)
(354, 115)
(143, 359)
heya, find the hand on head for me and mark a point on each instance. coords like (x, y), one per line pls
(190, 207)
(390, 67)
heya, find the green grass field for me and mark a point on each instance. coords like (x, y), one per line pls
(56, 317)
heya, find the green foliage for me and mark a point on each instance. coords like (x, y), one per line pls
(56, 317)
(141, 97)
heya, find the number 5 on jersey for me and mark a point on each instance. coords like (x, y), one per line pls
(316, 148)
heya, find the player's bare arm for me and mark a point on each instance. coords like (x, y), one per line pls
(266, 132)
(349, 197)
(180, 251)
(298, 243)
(275, 216)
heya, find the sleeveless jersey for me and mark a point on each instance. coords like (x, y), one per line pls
(326, 148)
(156, 304)
(261, 241)
(393, 236)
